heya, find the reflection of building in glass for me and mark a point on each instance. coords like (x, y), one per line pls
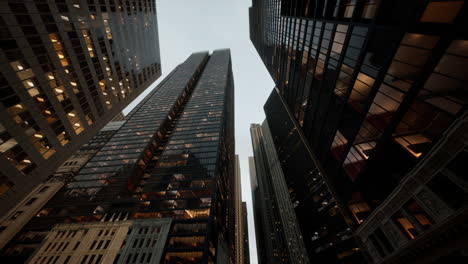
(171, 157)
(322, 226)
(32, 204)
(373, 87)
(279, 237)
(67, 68)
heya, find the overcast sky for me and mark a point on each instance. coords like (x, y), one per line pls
(187, 26)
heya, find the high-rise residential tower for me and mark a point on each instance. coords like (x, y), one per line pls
(161, 190)
(376, 90)
(66, 69)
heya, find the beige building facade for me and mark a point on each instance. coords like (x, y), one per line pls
(12, 222)
(127, 241)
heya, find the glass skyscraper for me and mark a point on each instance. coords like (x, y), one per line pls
(377, 90)
(278, 234)
(67, 68)
(169, 165)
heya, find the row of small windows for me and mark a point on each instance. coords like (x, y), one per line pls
(16, 214)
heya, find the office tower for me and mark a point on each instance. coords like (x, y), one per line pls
(171, 163)
(326, 234)
(375, 89)
(239, 224)
(67, 68)
(279, 238)
(245, 234)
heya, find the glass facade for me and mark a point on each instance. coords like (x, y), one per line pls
(323, 225)
(171, 157)
(245, 234)
(279, 238)
(67, 68)
(372, 85)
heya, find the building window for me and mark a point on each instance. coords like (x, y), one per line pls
(350, 6)
(458, 165)
(405, 225)
(360, 211)
(5, 184)
(32, 200)
(448, 191)
(44, 189)
(370, 7)
(419, 214)
(445, 87)
(441, 11)
(15, 215)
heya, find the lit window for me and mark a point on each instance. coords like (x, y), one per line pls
(33, 92)
(5, 146)
(414, 144)
(441, 11)
(60, 55)
(17, 66)
(370, 6)
(405, 225)
(53, 37)
(350, 5)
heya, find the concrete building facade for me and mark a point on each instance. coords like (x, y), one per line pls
(126, 241)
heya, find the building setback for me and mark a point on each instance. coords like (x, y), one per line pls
(279, 238)
(376, 91)
(67, 68)
(172, 158)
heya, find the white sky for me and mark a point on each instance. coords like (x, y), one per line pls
(187, 26)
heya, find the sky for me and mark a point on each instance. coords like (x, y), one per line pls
(187, 26)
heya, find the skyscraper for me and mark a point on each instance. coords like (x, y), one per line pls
(326, 233)
(245, 234)
(374, 89)
(239, 222)
(279, 239)
(67, 68)
(170, 166)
